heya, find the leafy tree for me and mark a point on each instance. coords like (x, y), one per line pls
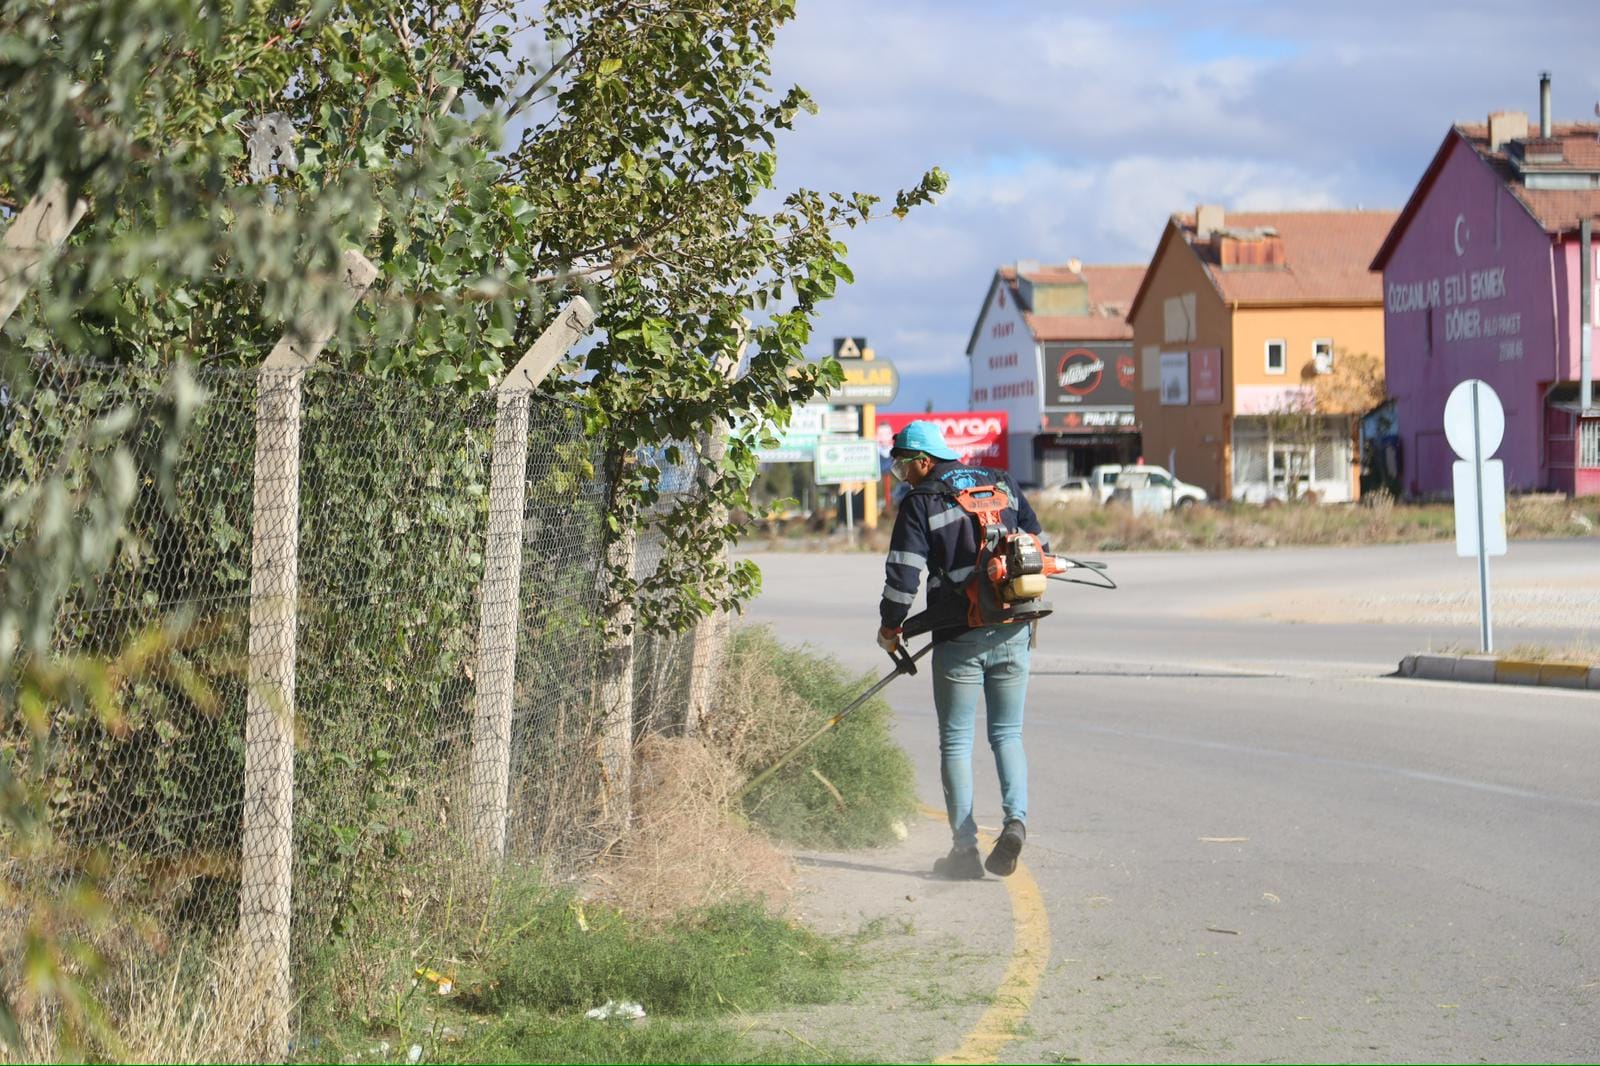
(1321, 411)
(490, 162)
(634, 160)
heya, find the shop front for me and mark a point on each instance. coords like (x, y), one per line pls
(1088, 415)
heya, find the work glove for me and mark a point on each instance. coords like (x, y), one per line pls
(888, 639)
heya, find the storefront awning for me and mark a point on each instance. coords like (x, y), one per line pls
(1564, 397)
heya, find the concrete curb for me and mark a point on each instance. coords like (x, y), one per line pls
(1488, 670)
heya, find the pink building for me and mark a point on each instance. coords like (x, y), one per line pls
(1484, 276)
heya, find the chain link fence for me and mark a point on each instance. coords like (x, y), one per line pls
(369, 623)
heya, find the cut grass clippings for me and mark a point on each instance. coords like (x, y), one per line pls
(726, 958)
(530, 1037)
(544, 959)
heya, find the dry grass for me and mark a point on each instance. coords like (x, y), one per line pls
(180, 1007)
(1379, 519)
(1579, 652)
(758, 716)
(682, 853)
(191, 1010)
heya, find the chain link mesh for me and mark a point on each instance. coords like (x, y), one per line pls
(352, 714)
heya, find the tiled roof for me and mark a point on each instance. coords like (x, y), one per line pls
(1111, 289)
(1325, 256)
(1557, 210)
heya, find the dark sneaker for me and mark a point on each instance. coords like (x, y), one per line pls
(1002, 861)
(960, 865)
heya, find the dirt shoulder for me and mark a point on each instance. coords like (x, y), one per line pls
(933, 952)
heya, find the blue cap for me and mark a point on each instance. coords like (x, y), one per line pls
(925, 437)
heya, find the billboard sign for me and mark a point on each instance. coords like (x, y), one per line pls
(1101, 375)
(867, 382)
(1089, 420)
(979, 437)
(849, 347)
(841, 459)
(798, 442)
(1205, 370)
(1175, 379)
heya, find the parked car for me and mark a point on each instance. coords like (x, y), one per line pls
(1096, 488)
(1072, 490)
(1103, 480)
(1131, 478)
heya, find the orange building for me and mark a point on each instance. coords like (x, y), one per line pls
(1235, 318)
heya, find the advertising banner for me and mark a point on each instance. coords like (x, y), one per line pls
(841, 459)
(1100, 375)
(1175, 379)
(798, 442)
(864, 382)
(1205, 376)
(979, 437)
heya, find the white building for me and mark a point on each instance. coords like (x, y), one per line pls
(1052, 349)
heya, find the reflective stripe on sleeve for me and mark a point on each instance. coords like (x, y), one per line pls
(894, 595)
(945, 517)
(909, 559)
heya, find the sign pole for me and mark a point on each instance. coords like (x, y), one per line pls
(849, 517)
(1483, 546)
(1474, 424)
(869, 431)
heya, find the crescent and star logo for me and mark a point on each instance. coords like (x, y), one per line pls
(1462, 234)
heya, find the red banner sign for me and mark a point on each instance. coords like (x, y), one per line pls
(979, 437)
(1205, 376)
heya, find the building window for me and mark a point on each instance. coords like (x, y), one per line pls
(1322, 355)
(1589, 443)
(1277, 357)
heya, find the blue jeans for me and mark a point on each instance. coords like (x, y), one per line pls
(992, 661)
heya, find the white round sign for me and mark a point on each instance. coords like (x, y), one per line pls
(1458, 420)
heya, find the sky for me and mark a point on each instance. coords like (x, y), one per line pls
(1075, 129)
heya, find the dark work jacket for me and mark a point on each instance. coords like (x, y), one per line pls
(933, 533)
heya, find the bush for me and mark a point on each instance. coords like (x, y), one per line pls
(849, 789)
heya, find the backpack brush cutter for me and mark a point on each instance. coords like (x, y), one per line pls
(1029, 609)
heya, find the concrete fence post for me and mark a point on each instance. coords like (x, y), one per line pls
(35, 232)
(268, 838)
(616, 694)
(500, 598)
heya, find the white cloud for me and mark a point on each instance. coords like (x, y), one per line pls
(1077, 132)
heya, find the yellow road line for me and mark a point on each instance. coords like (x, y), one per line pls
(1030, 953)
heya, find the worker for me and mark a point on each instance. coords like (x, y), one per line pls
(933, 533)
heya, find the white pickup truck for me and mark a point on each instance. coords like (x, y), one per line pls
(1104, 480)
(1126, 479)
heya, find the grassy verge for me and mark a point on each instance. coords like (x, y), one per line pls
(682, 915)
(523, 976)
(522, 982)
(853, 788)
(1378, 520)
(1578, 652)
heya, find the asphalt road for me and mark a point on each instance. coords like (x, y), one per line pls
(1252, 845)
